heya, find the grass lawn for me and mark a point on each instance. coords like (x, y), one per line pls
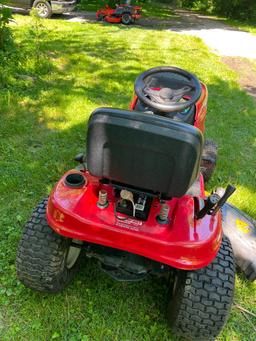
(43, 126)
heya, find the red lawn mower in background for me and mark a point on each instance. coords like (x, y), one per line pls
(137, 204)
(124, 13)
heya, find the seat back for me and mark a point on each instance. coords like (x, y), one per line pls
(119, 10)
(144, 151)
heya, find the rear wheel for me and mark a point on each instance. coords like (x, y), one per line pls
(46, 261)
(43, 8)
(126, 19)
(200, 301)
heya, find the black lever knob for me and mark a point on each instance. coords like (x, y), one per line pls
(79, 158)
(211, 201)
(215, 201)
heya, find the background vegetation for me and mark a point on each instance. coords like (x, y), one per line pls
(52, 76)
(5, 33)
(235, 9)
(242, 10)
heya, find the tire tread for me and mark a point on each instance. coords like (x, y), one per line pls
(205, 298)
(41, 253)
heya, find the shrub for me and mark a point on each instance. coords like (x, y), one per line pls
(5, 33)
(238, 9)
(28, 61)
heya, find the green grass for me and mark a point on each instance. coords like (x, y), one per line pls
(152, 9)
(155, 9)
(247, 26)
(43, 126)
(91, 6)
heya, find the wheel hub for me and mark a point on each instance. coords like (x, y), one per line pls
(42, 9)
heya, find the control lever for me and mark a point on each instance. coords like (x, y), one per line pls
(229, 191)
(81, 158)
(211, 201)
(214, 202)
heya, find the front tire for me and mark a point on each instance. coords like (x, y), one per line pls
(200, 301)
(126, 19)
(45, 261)
(43, 8)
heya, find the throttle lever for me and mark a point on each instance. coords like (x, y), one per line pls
(81, 158)
(215, 201)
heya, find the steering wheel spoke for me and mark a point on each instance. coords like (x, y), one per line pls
(152, 94)
(182, 91)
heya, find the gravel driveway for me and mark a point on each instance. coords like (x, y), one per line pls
(221, 38)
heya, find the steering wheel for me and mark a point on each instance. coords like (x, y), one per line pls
(168, 99)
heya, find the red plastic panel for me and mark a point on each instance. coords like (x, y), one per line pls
(184, 243)
(201, 109)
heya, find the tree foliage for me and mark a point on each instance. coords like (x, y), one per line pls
(237, 9)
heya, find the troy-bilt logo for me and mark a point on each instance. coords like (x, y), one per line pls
(130, 224)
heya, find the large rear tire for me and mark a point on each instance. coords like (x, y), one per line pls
(45, 261)
(200, 301)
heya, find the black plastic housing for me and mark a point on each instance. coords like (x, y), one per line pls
(143, 150)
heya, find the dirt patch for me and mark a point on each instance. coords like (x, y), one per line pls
(188, 20)
(246, 71)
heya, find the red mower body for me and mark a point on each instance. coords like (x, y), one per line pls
(115, 15)
(183, 243)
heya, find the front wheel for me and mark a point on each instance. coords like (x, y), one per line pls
(43, 8)
(126, 19)
(200, 300)
(46, 261)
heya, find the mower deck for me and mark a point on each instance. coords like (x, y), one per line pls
(182, 242)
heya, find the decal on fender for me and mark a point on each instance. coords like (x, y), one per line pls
(58, 216)
(242, 226)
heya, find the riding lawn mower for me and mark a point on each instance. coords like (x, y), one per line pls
(136, 202)
(124, 13)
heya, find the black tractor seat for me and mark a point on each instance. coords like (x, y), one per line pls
(143, 151)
